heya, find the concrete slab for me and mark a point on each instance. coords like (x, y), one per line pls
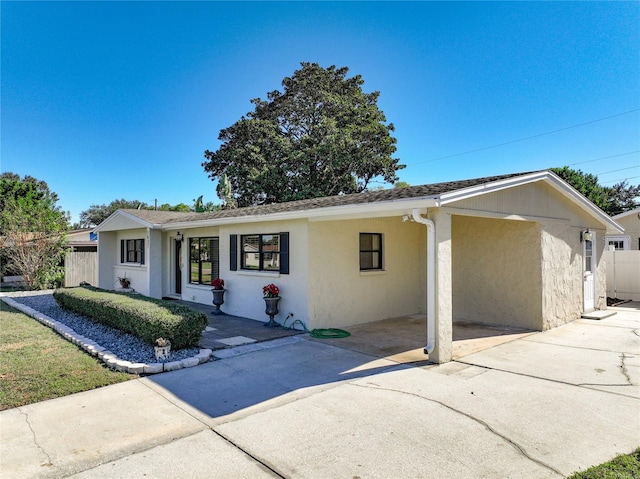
(581, 366)
(367, 429)
(598, 314)
(540, 406)
(70, 434)
(204, 454)
(236, 340)
(243, 385)
(403, 339)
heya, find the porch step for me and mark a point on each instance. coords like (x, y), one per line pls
(598, 314)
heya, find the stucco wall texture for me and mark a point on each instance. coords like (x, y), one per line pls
(342, 295)
(497, 271)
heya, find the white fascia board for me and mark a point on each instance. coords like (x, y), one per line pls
(492, 187)
(364, 210)
(627, 213)
(570, 192)
(140, 223)
(550, 178)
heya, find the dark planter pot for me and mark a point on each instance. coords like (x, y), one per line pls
(271, 309)
(218, 300)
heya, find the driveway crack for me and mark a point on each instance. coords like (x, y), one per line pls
(623, 369)
(35, 440)
(486, 425)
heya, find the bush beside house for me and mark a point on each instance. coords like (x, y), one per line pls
(144, 317)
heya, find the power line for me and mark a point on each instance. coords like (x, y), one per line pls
(605, 158)
(619, 180)
(621, 169)
(526, 138)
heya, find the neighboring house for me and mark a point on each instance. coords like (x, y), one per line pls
(630, 239)
(520, 250)
(81, 261)
(82, 240)
(623, 263)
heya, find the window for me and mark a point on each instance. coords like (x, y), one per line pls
(261, 252)
(204, 262)
(370, 251)
(588, 256)
(620, 242)
(132, 251)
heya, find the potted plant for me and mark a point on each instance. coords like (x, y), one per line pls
(218, 294)
(124, 281)
(162, 349)
(271, 295)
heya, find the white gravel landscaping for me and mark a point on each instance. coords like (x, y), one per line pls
(117, 349)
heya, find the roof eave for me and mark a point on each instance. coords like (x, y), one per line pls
(363, 210)
(104, 226)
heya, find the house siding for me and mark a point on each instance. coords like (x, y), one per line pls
(342, 295)
(244, 287)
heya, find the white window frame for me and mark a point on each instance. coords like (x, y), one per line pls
(625, 239)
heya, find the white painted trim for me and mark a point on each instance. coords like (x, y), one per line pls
(627, 213)
(592, 273)
(397, 207)
(503, 216)
(129, 216)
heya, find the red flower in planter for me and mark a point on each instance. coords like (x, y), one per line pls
(218, 283)
(270, 291)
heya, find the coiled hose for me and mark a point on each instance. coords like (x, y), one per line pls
(326, 333)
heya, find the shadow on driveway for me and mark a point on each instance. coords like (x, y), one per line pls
(224, 387)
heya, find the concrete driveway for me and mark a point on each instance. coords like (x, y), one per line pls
(541, 406)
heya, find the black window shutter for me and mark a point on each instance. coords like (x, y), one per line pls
(284, 253)
(233, 252)
(122, 251)
(142, 252)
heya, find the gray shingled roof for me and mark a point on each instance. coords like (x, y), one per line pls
(422, 191)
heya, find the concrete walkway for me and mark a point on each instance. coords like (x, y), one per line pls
(541, 406)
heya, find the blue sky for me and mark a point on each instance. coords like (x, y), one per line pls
(109, 100)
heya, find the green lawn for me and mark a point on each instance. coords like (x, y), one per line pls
(37, 364)
(625, 466)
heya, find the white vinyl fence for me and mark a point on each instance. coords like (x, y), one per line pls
(81, 266)
(623, 274)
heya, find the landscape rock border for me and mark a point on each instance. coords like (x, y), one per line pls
(104, 355)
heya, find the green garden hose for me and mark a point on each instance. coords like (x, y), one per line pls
(327, 333)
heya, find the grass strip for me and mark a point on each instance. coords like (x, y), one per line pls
(37, 364)
(624, 466)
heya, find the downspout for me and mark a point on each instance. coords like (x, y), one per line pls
(431, 278)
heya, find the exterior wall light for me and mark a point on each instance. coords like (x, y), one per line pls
(179, 236)
(585, 236)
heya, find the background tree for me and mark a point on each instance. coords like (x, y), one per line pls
(33, 230)
(96, 214)
(622, 197)
(322, 135)
(612, 200)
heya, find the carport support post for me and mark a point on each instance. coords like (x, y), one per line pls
(442, 352)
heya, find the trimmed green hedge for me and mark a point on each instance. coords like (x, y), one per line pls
(144, 317)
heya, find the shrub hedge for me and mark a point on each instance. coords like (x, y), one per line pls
(144, 317)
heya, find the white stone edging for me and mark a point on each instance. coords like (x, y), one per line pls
(104, 355)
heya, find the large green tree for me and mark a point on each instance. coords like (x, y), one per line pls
(33, 230)
(322, 135)
(613, 200)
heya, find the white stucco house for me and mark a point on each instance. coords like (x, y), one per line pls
(516, 250)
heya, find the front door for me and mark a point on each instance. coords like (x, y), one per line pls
(177, 258)
(589, 273)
